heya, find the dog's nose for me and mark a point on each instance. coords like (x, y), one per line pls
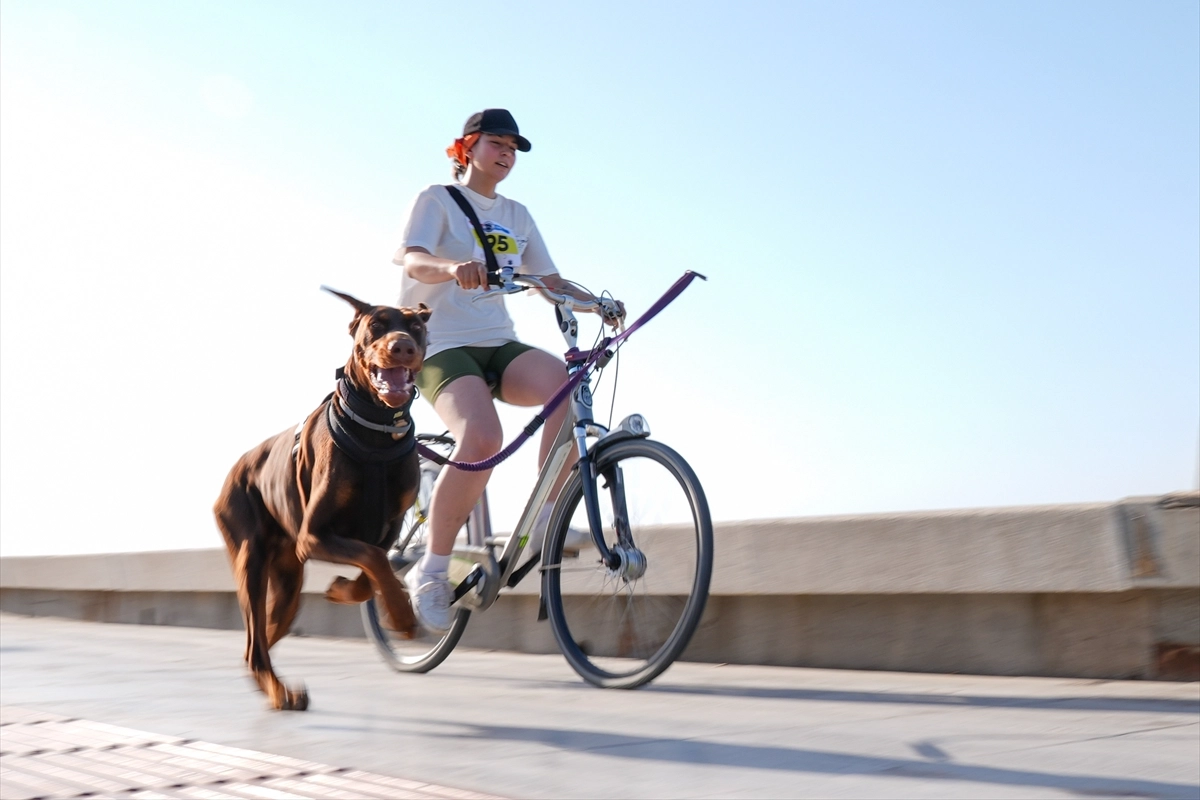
(403, 348)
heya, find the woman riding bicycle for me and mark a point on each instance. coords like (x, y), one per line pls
(445, 268)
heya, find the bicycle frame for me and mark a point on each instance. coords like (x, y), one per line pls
(573, 434)
(577, 427)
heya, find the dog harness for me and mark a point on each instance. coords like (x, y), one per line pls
(348, 414)
(355, 410)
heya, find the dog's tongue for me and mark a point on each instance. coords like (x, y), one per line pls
(394, 383)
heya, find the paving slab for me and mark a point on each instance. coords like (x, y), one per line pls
(46, 756)
(516, 725)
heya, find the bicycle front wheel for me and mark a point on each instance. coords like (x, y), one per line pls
(620, 628)
(427, 650)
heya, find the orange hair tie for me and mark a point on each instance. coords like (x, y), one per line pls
(458, 151)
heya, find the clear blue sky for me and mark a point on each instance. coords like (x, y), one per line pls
(953, 248)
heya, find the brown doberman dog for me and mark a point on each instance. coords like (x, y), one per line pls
(334, 490)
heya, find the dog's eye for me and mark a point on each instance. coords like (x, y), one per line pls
(377, 326)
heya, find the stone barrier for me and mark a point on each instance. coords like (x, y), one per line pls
(1108, 590)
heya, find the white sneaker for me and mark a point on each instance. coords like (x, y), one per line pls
(431, 598)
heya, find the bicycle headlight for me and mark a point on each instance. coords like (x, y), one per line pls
(635, 425)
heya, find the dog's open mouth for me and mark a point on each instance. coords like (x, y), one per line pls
(394, 385)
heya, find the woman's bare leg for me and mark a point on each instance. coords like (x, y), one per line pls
(465, 406)
(530, 380)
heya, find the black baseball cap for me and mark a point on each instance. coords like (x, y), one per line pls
(499, 122)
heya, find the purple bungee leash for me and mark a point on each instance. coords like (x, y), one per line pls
(574, 355)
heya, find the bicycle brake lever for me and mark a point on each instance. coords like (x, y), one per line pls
(609, 312)
(499, 290)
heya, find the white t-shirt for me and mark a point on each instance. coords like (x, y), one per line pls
(437, 224)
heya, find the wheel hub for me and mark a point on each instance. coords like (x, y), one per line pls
(631, 563)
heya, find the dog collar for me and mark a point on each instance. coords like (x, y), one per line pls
(351, 410)
(371, 415)
(345, 440)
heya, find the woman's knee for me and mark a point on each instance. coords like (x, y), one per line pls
(479, 440)
(532, 378)
(467, 408)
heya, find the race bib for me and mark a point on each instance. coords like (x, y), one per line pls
(506, 245)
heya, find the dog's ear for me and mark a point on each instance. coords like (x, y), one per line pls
(359, 305)
(424, 312)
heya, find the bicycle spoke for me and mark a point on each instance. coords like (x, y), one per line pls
(621, 627)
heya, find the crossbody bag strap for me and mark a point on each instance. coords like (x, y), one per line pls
(492, 266)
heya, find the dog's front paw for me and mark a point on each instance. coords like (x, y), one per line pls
(348, 592)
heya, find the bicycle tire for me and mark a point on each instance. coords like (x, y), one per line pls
(427, 650)
(618, 631)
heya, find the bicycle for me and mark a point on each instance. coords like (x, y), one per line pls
(621, 613)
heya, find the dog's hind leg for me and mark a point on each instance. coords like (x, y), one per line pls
(286, 580)
(254, 600)
(232, 524)
(246, 527)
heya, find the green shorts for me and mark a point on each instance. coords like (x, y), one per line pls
(447, 366)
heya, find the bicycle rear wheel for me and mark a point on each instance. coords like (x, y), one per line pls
(427, 650)
(621, 628)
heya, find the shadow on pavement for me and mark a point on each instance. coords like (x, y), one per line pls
(1149, 705)
(937, 764)
(816, 761)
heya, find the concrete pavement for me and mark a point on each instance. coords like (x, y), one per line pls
(525, 726)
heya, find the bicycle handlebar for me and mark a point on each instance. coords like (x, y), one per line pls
(519, 283)
(588, 359)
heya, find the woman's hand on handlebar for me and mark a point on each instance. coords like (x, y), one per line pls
(425, 267)
(470, 274)
(613, 311)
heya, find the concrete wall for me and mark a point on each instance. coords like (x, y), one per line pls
(1096, 591)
